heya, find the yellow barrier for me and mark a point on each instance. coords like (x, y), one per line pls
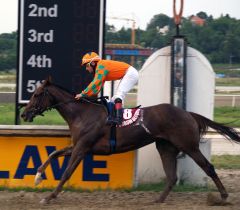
(21, 155)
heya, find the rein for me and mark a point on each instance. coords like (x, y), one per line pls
(85, 99)
(94, 101)
(59, 104)
(38, 110)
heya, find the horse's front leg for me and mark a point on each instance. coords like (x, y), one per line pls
(58, 153)
(78, 153)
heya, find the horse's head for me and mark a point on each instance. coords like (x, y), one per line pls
(39, 102)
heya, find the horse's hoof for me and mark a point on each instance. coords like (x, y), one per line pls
(38, 179)
(224, 196)
(213, 199)
(159, 200)
(44, 201)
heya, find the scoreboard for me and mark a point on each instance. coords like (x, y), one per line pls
(53, 37)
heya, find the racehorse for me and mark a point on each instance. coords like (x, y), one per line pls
(171, 128)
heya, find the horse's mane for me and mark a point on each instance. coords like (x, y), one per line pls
(64, 89)
(95, 100)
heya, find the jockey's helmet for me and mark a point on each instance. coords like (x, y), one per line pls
(89, 57)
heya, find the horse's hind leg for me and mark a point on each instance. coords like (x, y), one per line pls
(168, 155)
(199, 158)
(58, 153)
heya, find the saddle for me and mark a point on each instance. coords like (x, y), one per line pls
(130, 116)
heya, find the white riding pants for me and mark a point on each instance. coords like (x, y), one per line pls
(126, 83)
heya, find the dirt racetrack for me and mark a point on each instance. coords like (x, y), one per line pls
(117, 200)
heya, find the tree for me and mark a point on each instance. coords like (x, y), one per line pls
(8, 51)
(202, 15)
(159, 21)
(218, 39)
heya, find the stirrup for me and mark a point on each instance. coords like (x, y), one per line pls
(118, 121)
(110, 121)
(113, 121)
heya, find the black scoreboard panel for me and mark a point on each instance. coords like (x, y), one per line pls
(53, 37)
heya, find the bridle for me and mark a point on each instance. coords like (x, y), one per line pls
(38, 109)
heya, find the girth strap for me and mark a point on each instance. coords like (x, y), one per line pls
(113, 139)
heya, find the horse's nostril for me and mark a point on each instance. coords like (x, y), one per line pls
(23, 115)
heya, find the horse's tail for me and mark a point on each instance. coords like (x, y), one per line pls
(203, 124)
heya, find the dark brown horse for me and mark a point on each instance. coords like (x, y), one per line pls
(172, 129)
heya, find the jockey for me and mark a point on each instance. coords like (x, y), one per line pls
(109, 70)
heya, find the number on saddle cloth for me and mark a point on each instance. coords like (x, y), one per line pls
(130, 115)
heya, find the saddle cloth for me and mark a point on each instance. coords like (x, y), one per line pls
(130, 116)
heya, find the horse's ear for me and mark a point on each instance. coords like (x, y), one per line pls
(49, 78)
(47, 81)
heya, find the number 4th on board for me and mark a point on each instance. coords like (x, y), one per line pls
(39, 61)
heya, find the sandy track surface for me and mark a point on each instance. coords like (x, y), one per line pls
(118, 200)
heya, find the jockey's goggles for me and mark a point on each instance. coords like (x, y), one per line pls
(88, 64)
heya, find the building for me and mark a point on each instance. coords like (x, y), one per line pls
(197, 20)
(130, 53)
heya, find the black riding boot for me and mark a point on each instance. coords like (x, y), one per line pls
(119, 111)
(117, 119)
